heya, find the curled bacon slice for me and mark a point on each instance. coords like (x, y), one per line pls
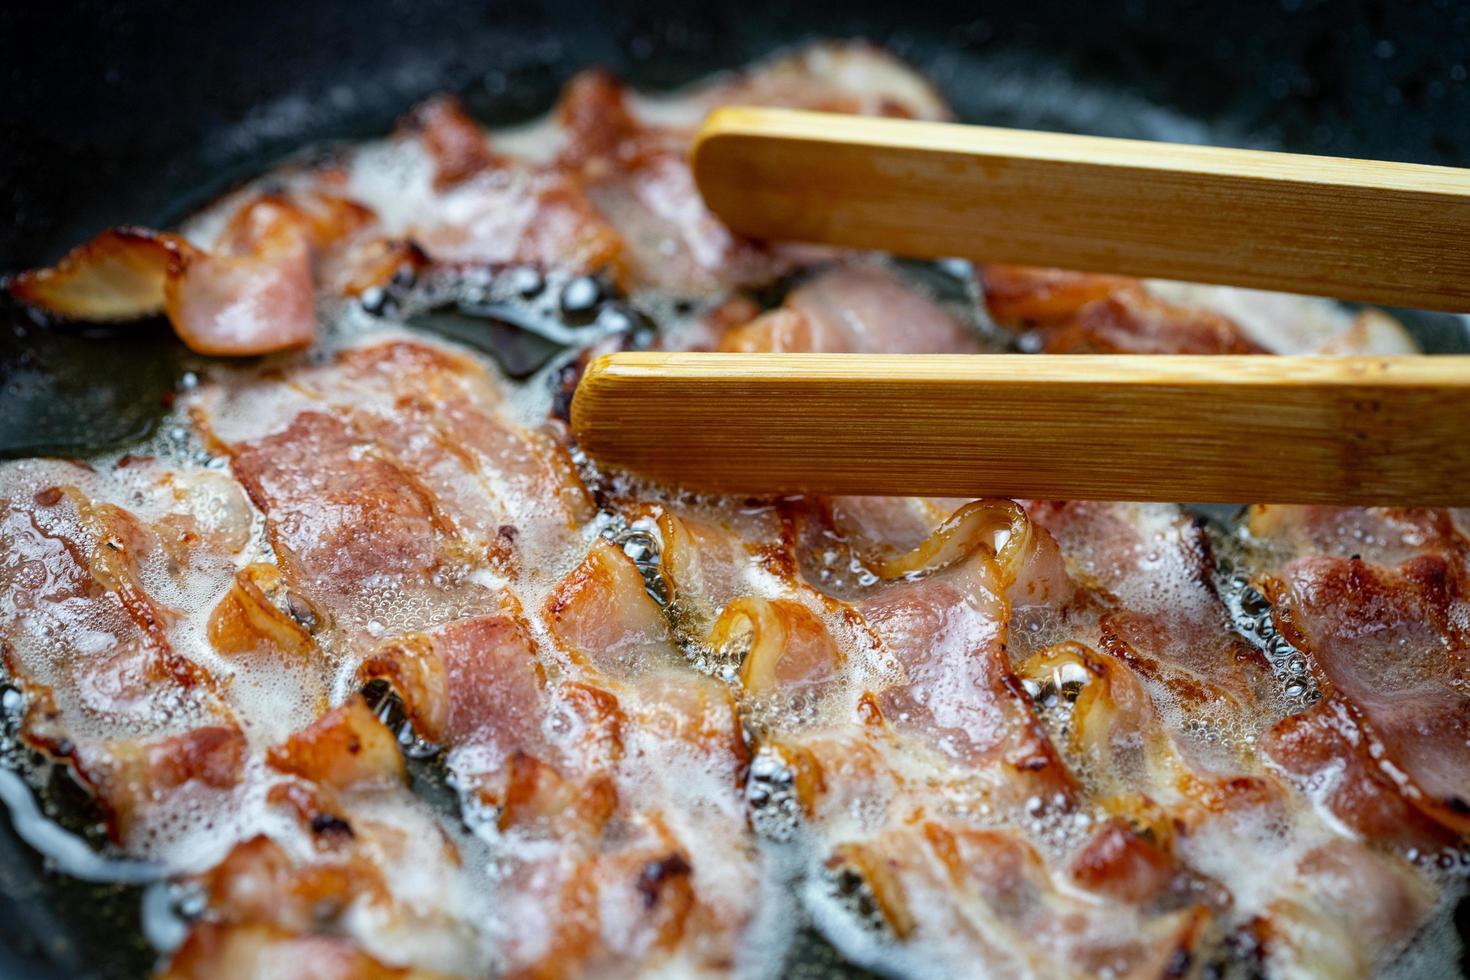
(247, 302)
(1151, 567)
(262, 612)
(346, 747)
(252, 294)
(787, 646)
(456, 142)
(602, 614)
(947, 631)
(879, 527)
(119, 275)
(226, 305)
(466, 681)
(698, 559)
(1027, 561)
(1110, 710)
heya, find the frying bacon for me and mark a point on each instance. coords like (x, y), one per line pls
(454, 140)
(1077, 313)
(251, 294)
(199, 767)
(1389, 645)
(386, 887)
(1023, 296)
(968, 894)
(602, 616)
(252, 299)
(259, 883)
(956, 736)
(788, 647)
(519, 214)
(477, 684)
(1152, 565)
(596, 122)
(1329, 748)
(855, 309)
(1124, 864)
(110, 694)
(119, 275)
(346, 747)
(1341, 908)
(947, 631)
(342, 515)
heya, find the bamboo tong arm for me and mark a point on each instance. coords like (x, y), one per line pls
(1355, 229)
(1364, 430)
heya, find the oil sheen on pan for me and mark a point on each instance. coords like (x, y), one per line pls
(954, 738)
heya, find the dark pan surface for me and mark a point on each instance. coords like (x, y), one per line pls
(139, 111)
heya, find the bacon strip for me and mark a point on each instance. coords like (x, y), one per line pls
(969, 894)
(1390, 645)
(855, 309)
(119, 275)
(251, 294)
(1078, 313)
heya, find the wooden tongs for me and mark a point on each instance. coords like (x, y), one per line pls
(1350, 430)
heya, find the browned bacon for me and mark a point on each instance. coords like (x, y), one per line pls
(856, 309)
(1077, 313)
(346, 747)
(455, 141)
(1025, 296)
(1393, 736)
(603, 617)
(252, 293)
(119, 275)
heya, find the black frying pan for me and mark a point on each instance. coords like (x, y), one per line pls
(116, 112)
